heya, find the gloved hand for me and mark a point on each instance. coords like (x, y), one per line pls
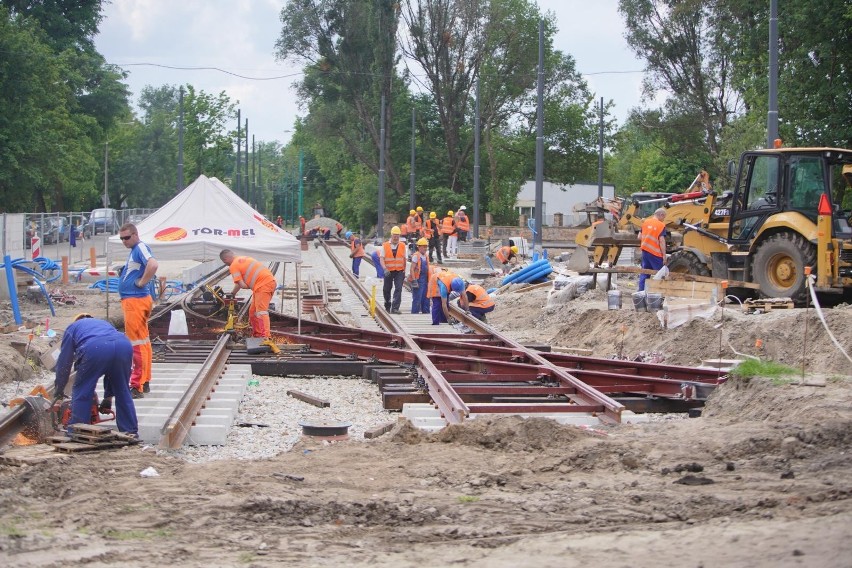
(105, 407)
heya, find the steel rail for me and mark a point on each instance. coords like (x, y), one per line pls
(179, 422)
(442, 393)
(585, 395)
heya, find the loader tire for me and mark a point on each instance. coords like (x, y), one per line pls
(779, 266)
(685, 262)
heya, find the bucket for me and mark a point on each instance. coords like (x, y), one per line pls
(613, 299)
(654, 302)
(639, 301)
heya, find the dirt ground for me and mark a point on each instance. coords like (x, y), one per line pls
(761, 479)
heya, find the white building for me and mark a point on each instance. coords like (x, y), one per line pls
(559, 198)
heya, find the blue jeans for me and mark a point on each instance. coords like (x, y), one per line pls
(111, 357)
(651, 261)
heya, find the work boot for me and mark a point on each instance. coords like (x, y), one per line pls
(272, 346)
(136, 393)
(395, 311)
(146, 388)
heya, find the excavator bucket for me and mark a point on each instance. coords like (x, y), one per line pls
(579, 261)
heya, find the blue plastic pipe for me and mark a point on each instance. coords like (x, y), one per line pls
(13, 289)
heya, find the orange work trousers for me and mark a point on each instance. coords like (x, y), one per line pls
(259, 309)
(136, 314)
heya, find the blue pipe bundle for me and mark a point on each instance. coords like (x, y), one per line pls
(531, 273)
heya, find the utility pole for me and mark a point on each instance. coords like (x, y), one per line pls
(253, 189)
(236, 185)
(600, 151)
(246, 176)
(106, 174)
(380, 227)
(539, 142)
(476, 128)
(180, 143)
(299, 213)
(772, 114)
(413, 149)
(260, 191)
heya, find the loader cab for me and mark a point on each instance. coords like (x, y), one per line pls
(772, 182)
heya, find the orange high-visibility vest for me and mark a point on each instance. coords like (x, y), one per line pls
(412, 223)
(418, 222)
(357, 250)
(481, 299)
(415, 264)
(403, 229)
(397, 261)
(448, 226)
(652, 228)
(504, 254)
(432, 288)
(447, 278)
(427, 229)
(462, 222)
(250, 271)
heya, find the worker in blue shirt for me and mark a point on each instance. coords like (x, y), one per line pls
(96, 349)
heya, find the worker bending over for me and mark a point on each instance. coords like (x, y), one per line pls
(393, 265)
(477, 301)
(250, 274)
(418, 278)
(505, 255)
(652, 241)
(445, 282)
(97, 349)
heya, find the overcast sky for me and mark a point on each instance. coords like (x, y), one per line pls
(193, 33)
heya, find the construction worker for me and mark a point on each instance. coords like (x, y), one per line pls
(420, 220)
(250, 274)
(338, 228)
(462, 224)
(418, 278)
(411, 223)
(438, 291)
(477, 301)
(448, 230)
(357, 252)
(302, 223)
(432, 232)
(506, 254)
(393, 264)
(136, 303)
(97, 349)
(279, 221)
(652, 242)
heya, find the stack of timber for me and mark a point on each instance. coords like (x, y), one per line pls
(89, 437)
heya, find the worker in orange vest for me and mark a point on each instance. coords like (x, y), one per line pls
(418, 278)
(338, 228)
(419, 220)
(357, 253)
(250, 274)
(652, 241)
(439, 290)
(432, 232)
(393, 264)
(302, 223)
(462, 224)
(477, 301)
(411, 223)
(448, 229)
(505, 254)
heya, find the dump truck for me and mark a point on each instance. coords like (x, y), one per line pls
(785, 212)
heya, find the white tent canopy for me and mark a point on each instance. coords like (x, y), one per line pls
(205, 218)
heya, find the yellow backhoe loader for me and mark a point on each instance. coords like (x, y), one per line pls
(784, 213)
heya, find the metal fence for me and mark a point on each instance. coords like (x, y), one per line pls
(54, 228)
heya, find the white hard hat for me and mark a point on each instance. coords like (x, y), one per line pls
(462, 208)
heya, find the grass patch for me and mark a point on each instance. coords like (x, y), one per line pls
(11, 530)
(137, 534)
(769, 369)
(468, 498)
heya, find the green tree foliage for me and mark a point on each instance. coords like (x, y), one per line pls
(46, 157)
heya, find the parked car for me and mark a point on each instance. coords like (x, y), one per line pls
(54, 230)
(102, 221)
(136, 219)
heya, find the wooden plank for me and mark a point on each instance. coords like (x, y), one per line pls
(75, 447)
(90, 429)
(379, 430)
(682, 289)
(310, 399)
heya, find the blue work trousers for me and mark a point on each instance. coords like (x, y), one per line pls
(419, 301)
(651, 261)
(479, 313)
(377, 264)
(111, 358)
(356, 265)
(437, 312)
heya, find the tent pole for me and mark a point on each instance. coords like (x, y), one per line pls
(299, 297)
(283, 285)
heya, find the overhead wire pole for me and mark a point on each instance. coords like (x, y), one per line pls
(299, 213)
(246, 176)
(600, 150)
(253, 188)
(257, 198)
(539, 142)
(236, 184)
(380, 227)
(413, 149)
(772, 114)
(476, 166)
(180, 142)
